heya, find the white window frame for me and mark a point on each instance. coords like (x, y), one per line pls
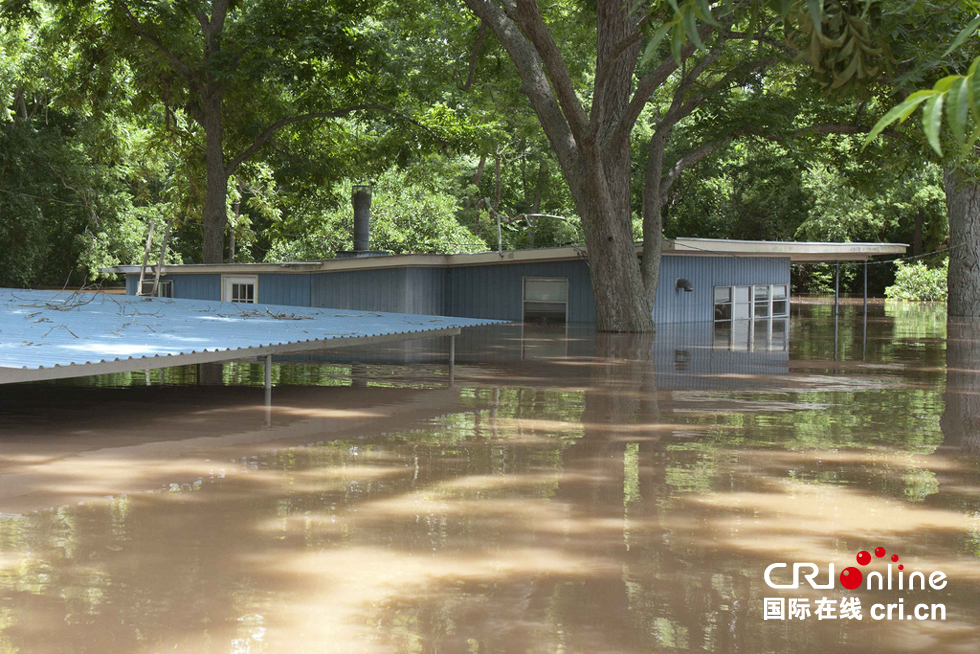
(751, 288)
(544, 279)
(228, 280)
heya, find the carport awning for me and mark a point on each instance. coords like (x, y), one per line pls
(54, 335)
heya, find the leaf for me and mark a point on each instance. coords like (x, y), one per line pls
(964, 34)
(957, 109)
(898, 113)
(932, 119)
(677, 42)
(973, 89)
(651, 48)
(691, 27)
(943, 85)
(704, 10)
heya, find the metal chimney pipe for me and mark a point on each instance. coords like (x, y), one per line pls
(361, 199)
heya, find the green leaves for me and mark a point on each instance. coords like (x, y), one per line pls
(682, 27)
(961, 96)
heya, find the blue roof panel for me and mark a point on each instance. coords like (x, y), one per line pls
(45, 329)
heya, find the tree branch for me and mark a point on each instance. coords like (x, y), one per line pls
(174, 59)
(650, 83)
(480, 37)
(529, 18)
(534, 81)
(270, 131)
(690, 159)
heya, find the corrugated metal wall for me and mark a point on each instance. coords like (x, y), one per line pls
(496, 291)
(361, 290)
(493, 291)
(197, 287)
(290, 289)
(705, 273)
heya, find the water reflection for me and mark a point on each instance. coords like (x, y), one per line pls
(573, 492)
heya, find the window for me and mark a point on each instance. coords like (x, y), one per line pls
(760, 296)
(723, 302)
(240, 289)
(780, 301)
(545, 299)
(164, 289)
(758, 302)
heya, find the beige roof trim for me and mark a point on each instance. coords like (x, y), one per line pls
(797, 252)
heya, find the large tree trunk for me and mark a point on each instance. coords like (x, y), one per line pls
(617, 286)
(961, 416)
(963, 206)
(216, 200)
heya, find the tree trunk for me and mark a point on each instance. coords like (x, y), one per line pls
(216, 200)
(617, 286)
(963, 207)
(961, 416)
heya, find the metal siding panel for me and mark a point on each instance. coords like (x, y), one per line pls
(705, 273)
(285, 289)
(197, 287)
(132, 281)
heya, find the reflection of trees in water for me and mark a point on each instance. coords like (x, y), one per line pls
(961, 416)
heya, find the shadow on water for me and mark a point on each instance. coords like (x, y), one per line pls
(573, 492)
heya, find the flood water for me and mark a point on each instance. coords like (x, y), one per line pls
(569, 493)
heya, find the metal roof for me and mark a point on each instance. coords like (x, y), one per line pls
(798, 252)
(51, 335)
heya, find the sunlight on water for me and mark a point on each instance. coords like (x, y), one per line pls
(571, 493)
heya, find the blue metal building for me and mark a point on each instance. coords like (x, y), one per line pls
(701, 280)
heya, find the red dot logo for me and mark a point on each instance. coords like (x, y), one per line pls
(864, 558)
(901, 567)
(894, 557)
(879, 552)
(851, 578)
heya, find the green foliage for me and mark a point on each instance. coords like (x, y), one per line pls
(917, 282)
(407, 215)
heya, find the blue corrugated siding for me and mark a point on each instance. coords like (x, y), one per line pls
(363, 290)
(497, 290)
(197, 287)
(288, 289)
(493, 291)
(705, 273)
(425, 291)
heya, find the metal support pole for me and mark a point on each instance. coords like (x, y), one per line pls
(865, 289)
(268, 372)
(452, 360)
(864, 333)
(837, 288)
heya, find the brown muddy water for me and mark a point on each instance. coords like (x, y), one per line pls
(570, 493)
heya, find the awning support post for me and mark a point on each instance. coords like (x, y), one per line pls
(452, 360)
(268, 372)
(866, 288)
(836, 288)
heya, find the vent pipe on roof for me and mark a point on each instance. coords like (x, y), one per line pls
(361, 199)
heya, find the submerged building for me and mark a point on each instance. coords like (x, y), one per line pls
(701, 280)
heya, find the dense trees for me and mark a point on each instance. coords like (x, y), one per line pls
(245, 124)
